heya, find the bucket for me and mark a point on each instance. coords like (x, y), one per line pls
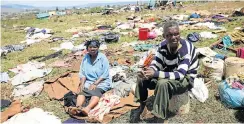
(143, 33)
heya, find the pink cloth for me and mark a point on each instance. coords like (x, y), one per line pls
(237, 85)
(105, 104)
(152, 35)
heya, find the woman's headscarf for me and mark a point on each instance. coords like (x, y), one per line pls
(92, 43)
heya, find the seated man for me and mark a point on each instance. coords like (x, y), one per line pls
(94, 77)
(171, 72)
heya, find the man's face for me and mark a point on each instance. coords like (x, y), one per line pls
(172, 36)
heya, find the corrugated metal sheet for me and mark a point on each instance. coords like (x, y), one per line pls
(61, 13)
(42, 15)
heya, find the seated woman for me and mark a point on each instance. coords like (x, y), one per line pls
(94, 77)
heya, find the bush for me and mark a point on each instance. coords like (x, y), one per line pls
(95, 10)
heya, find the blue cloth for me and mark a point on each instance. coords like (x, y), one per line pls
(218, 17)
(194, 15)
(43, 31)
(99, 69)
(74, 121)
(220, 56)
(227, 42)
(4, 77)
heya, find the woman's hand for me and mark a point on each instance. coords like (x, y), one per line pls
(80, 88)
(92, 87)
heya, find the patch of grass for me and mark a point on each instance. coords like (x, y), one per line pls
(22, 57)
(11, 37)
(6, 91)
(43, 101)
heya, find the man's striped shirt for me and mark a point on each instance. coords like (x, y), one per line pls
(176, 66)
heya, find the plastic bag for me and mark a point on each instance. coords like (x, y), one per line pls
(232, 98)
(200, 90)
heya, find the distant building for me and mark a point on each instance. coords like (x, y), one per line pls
(52, 13)
(68, 11)
(60, 13)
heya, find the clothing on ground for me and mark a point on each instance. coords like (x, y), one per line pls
(34, 116)
(104, 106)
(30, 75)
(5, 103)
(4, 77)
(74, 121)
(12, 110)
(58, 87)
(70, 99)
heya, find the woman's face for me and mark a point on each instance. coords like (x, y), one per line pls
(92, 50)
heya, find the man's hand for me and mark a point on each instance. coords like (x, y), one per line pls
(92, 87)
(148, 72)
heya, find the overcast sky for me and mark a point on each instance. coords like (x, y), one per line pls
(47, 3)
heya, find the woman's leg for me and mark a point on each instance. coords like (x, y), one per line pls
(92, 103)
(80, 100)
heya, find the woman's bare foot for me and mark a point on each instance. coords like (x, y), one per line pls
(85, 111)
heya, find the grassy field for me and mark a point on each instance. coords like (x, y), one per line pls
(212, 111)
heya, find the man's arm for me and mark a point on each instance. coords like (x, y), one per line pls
(157, 63)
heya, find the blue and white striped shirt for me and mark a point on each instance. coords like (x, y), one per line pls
(176, 66)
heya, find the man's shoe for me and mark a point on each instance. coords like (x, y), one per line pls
(160, 120)
(136, 116)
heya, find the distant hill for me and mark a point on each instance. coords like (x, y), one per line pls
(11, 10)
(104, 4)
(90, 5)
(17, 6)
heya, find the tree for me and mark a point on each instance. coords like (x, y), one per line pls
(56, 8)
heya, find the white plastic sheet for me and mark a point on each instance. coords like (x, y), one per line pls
(199, 90)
